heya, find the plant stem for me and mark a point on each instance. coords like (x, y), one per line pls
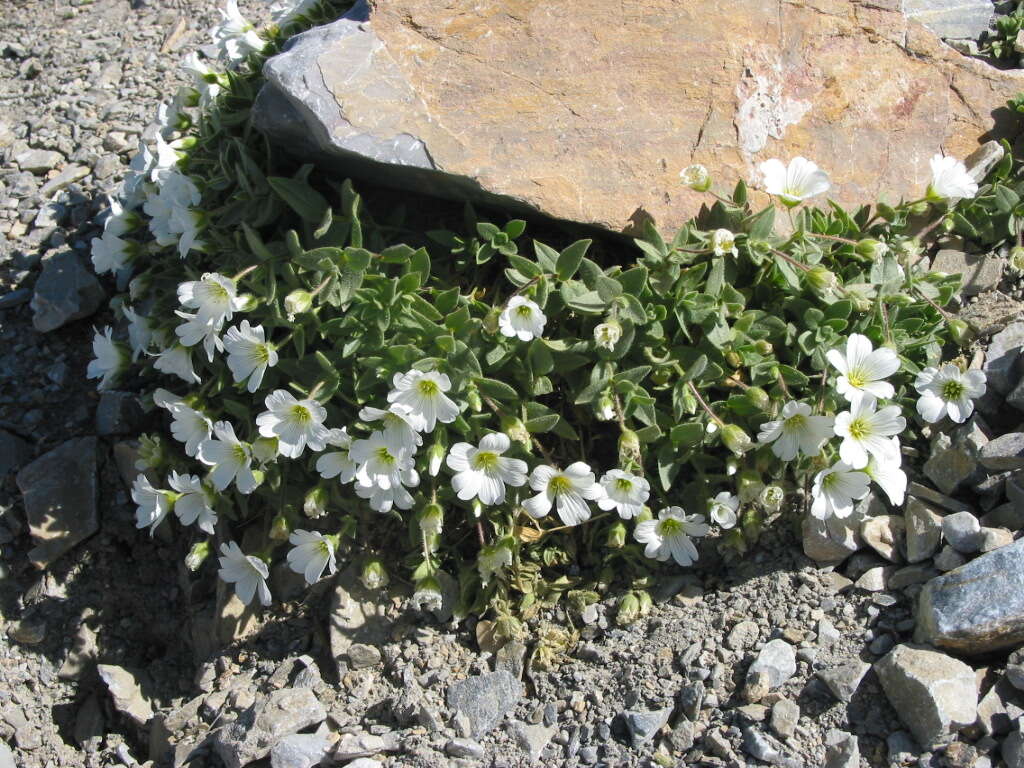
(244, 272)
(704, 405)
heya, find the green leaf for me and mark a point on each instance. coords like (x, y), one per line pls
(300, 197)
(515, 228)
(569, 259)
(256, 243)
(420, 262)
(591, 392)
(524, 266)
(1006, 199)
(649, 434)
(445, 301)
(717, 277)
(632, 309)
(608, 288)
(499, 390)
(685, 435)
(357, 259)
(325, 224)
(547, 256)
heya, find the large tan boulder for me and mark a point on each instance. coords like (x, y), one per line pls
(588, 109)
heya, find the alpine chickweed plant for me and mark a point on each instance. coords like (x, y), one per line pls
(496, 420)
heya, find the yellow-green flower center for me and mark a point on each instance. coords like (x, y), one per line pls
(428, 387)
(829, 480)
(218, 291)
(670, 526)
(524, 310)
(384, 456)
(238, 453)
(952, 390)
(485, 460)
(559, 484)
(856, 378)
(795, 423)
(323, 548)
(859, 428)
(261, 353)
(623, 484)
(301, 414)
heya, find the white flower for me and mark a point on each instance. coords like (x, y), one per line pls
(483, 472)
(295, 423)
(421, 395)
(948, 390)
(214, 297)
(624, 492)
(723, 508)
(797, 430)
(171, 116)
(950, 180)
(193, 504)
(246, 572)
(110, 253)
(111, 359)
(172, 220)
(607, 335)
(887, 474)
(669, 535)
(337, 463)
(234, 36)
(493, 559)
(864, 430)
(177, 360)
(153, 503)
(523, 318)
(382, 499)
(864, 368)
(312, 553)
(835, 489)
(249, 354)
(568, 488)
(379, 465)
(284, 11)
(797, 182)
(140, 331)
(399, 434)
(197, 328)
(164, 161)
(723, 243)
(189, 425)
(435, 458)
(229, 457)
(204, 80)
(134, 189)
(696, 177)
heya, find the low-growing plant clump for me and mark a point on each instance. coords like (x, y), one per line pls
(500, 420)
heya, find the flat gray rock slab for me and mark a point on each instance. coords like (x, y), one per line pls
(978, 607)
(485, 699)
(65, 291)
(954, 19)
(265, 724)
(59, 491)
(14, 453)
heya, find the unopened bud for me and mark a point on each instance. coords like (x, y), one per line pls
(629, 610)
(473, 398)
(629, 446)
(696, 177)
(732, 357)
(646, 603)
(771, 498)
(315, 503)
(435, 456)
(298, 302)
(948, 224)
(1017, 259)
(921, 208)
(491, 320)
(605, 408)
(279, 528)
(432, 520)
(820, 279)
(374, 575)
(758, 398)
(763, 347)
(199, 552)
(515, 429)
(264, 449)
(749, 486)
(870, 248)
(427, 594)
(959, 331)
(607, 334)
(151, 452)
(735, 439)
(616, 538)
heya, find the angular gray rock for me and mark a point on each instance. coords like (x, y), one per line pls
(118, 413)
(774, 665)
(531, 738)
(980, 271)
(841, 750)
(358, 616)
(957, 19)
(785, 716)
(934, 695)
(831, 541)
(1006, 452)
(978, 607)
(126, 692)
(951, 467)
(259, 728)
(14, 453)
(484, 699)
(1003, 361)
(59, 492)
(886, 534)
(844, 679)
(643, 726)
(924, 530)
(767, 749)
(1000, 708)
(963, 532)
(65, 291)
(300, 750)
(948, 559)
(38, 160)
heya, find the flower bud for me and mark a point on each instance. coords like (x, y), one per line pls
(279, 528)
(607, 334)
(473, 398)
(491, 320)
(758, 398)
(732, 357)
(374, 575)
(195, 557)
(820, 279)
(948, 225)
(297, 302)
(616, 538)
(870, 248)
(771, 498)
(959, 331)
(629, 446)
(646, 603)
(435, 456)
(921, 208)
(250, 302)
(731, 466)
(427, 594)
(315, 503)
(264, 449)
(749, 486)
(605, 408)
(432, 520)
(735, 439)
(515, 429)
(493, 559)
(763, 347)
(696, 177)
(908, 248)
(152, 453)
(629, 610)
(1017, 259)
(478, 508)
